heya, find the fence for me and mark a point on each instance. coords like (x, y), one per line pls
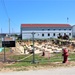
(31, 51)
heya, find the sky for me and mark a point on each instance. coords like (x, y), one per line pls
(35, 11)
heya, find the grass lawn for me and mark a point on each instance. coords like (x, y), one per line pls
(41, 60)
(26, 62)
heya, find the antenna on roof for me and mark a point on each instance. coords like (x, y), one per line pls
(67, 19)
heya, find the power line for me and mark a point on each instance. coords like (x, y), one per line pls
(4, 6)
(5, 9)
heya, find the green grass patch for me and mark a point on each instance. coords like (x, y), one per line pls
(72, 57)
(57, 57)
(6, 49)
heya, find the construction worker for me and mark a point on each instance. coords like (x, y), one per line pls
(65, 55)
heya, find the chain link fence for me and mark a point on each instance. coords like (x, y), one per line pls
(32, 51)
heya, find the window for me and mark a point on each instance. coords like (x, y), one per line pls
(48, 29)
(48, 34)
(64, 33)
(59, 34)
(64, 29)
(42, 34)
(53, 29)
(69, 34)
(43, 29)
(38, 34)
(54, 34)
(69, 29)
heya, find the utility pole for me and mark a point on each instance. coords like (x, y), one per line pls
(9, 26)
(12, 30)
(1, 30)
(4, 51)
(33, 48)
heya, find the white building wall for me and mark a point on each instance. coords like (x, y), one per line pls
(26, 36)
(73, 31)
(38, 34)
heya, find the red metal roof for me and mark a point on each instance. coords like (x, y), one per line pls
(45, 25)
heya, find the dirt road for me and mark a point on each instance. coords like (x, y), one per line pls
(56, 71)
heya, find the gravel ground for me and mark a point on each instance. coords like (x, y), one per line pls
(54, 71)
